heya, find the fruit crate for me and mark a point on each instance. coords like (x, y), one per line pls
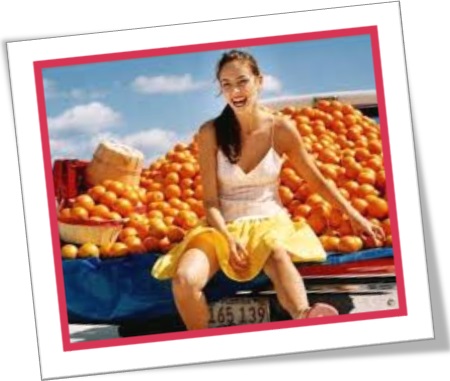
(69, 178)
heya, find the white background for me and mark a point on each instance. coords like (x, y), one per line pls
(424, 29)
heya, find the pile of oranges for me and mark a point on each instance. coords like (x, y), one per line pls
(346, 147)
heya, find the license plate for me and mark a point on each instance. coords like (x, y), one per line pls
(239, 311)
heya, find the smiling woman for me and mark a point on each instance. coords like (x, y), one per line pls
(247, 230)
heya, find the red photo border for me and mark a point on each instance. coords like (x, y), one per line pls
(366, 30)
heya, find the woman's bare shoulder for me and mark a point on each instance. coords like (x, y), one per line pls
(206, 132)
(284, 128)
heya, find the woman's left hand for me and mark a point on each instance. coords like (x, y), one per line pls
(368, 231)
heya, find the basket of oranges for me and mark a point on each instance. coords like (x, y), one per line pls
(82, 221)
(96, 232)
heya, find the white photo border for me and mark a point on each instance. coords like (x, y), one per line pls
(56, 360)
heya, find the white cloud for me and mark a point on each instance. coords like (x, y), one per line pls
(52, 91)
(166, 84)
(153, 143)
(271, 84)
(88, 118)
(66, 148)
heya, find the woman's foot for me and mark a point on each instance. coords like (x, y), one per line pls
(321, 309)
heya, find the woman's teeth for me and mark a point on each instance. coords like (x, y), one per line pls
(239, 102)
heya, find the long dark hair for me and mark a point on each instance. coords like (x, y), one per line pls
(226, 125)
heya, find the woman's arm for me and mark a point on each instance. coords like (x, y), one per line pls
(208, 163)
(291, 144)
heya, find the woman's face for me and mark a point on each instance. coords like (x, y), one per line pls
(239, 86)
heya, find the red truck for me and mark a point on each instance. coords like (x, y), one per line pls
(122, 292)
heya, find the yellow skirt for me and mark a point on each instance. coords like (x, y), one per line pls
(259, 236)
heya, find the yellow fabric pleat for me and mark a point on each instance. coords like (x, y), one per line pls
(259, 236)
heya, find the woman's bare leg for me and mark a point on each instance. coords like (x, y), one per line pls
(287, 282)
(194, 271)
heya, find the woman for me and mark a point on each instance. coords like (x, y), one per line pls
(248, 230)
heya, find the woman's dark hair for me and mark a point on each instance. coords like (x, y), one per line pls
(226, 125)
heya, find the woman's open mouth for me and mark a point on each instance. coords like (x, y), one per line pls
(239, 102)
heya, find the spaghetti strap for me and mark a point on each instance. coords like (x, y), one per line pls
(272, 132)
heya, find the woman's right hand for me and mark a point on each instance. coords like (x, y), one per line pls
(238, 255)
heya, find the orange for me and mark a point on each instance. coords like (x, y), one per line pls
(329, 243)
(165, 245)
(314, 200)
(175, 234)
(186, 183)
(157, 228)
(127, 232)
(155, 186)
(155, 214)
(65, 214)
(123, 206)
(105, 250)
(362, 154)
(88, 250)
(151, 243)
(304, 129)
(85, 201)
(134, 245)
(348, 244)
(118, 249)
(303, 210)
(378, 208)
(366, 189)
(96, 191)
(154, 196)
(336, 218)
(79, 213)
(186, 219)
(108, 198)
(328, 156)
(286, 194)
(345, 228)
(303, 192)
(131, 195)
(360, 205)
(374, 146)
(100, 211)
(367, 176)
(375, 163)
(386, 225)
(171, 178)
(187, 193)
(168, 220)
(69, 251)
(187, 170)
(381, 180)
(117, 187)
(318, 223)
(172, 191)
(114, 216)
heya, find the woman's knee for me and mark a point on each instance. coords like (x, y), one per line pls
(186, 282)
(192, 274)
(279, 256)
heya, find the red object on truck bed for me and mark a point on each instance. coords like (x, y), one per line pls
(68, 178)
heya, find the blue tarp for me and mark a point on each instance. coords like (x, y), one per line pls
(120, 289)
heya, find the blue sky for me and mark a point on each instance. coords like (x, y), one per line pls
(153, 103)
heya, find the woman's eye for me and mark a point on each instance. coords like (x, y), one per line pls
(243, 82)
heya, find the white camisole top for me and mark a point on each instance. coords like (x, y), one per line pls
(250, 195)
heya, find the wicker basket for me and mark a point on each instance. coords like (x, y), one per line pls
(114, 161)
(99, 233)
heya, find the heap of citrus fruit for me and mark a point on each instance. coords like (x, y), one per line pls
(345, 144)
